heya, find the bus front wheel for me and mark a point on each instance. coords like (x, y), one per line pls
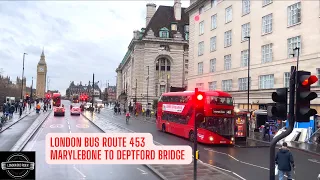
(191, 136)
(163, 128)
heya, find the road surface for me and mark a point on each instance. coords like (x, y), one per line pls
(248, 163)
(78, 124)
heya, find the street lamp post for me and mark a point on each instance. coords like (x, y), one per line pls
(148, 92)
(135, 98)
(248, 83)
(24, 54)
(31, 89)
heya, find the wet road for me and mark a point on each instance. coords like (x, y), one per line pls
(249, 163)
(10, 136)
(78, 124)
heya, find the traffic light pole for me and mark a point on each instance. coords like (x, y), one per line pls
(195, 140)
(291, 124)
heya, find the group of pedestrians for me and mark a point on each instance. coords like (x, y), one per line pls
(10, 108)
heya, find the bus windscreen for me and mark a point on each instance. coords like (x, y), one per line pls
(220, 125)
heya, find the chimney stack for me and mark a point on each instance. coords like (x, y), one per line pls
(177, 9)
(151, 9)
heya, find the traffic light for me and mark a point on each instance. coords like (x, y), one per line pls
(279, 110)
(48, 96)
(304, 96)
(199, 105)
(27, 97)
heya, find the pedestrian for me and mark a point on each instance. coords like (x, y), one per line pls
(284, 160)
(20, 109)
(45, 108)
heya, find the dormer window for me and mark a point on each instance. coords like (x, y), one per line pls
(164, 32)
(174, 27)
(186, 28)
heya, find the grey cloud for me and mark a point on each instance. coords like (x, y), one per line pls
(66, 59)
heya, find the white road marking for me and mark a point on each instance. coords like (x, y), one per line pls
(142, 171)
(56, 126)
(76, 169)
(82, 126)
(314, 161)
(238, 176)
(243, 162)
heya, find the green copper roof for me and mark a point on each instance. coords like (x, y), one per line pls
(125, 57)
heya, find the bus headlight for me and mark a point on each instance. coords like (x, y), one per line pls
(232, 139)
(211, 138)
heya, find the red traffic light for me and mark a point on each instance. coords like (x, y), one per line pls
(199, 97)
(310, 80)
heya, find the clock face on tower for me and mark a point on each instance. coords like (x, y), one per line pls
(41, 69)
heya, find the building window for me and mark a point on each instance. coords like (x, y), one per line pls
(201, 27)
(243, 84)
(201, 9)
(174, 27)
(266, 81)
(200, 68)
(292, 44)
(229, 14)
(266, 52)
(164, 32)
(286, 79)
(213, 3)
(294, 14)
(227, 62)
(162, 89)
(244, 58)
(266, 2)
(245, 31)
(227, 85)
(267, 24)
(227, 38)
(245, 7)
(213, 42)
(318, 74)
(213, 65)
(214, 21)
(200, 86)
(186, 28)
(212, 85)
(200, 48)
(186, 37)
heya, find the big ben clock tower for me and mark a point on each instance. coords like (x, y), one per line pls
(41, 76)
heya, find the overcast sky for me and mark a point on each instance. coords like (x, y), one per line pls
(79, 38)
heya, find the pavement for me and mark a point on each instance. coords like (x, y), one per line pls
(15, 119)
(303, 146)
(78, 124)
(14, 129)
(245, 163)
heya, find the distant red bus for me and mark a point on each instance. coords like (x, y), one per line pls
(175, 115)
(56, 98)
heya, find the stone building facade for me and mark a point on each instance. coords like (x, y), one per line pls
(79, 89)
(218, 48)
(157, 56)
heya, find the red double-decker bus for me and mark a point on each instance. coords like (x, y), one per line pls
(56, 98)
(176, 115)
